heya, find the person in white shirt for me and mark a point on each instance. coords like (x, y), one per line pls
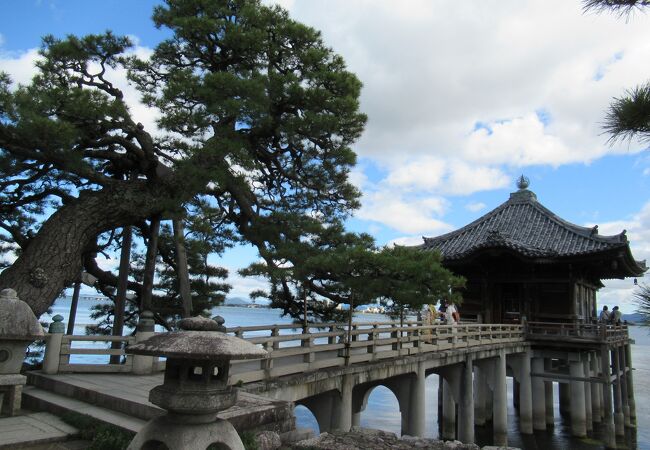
(604, 316)
(451, 314)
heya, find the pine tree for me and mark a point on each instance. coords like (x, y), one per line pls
(257, 116)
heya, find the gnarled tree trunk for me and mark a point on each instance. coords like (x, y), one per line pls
(53, 258)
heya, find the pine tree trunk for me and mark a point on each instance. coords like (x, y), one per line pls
(53, 258)
(182, 269)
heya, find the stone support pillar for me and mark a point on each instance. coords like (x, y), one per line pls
(500, 410)
(525, 396)
(466, 407)
(578, 408)
(619, 418)
(448, 413)
(356, 419)
(596, 393)
(587, 384)
(343, 413)
(480, 394)
(624, 388)
(539, 395)
(630, 384)
(417, 404)
(607, 428)
(548, 394)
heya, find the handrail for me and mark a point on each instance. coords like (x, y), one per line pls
(333, 344)
(593, 332)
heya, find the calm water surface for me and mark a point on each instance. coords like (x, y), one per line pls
(382, 410)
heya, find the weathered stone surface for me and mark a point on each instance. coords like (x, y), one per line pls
(268, 440)
(198, 324)
(17, 320)
(363, 438)
(197, 345)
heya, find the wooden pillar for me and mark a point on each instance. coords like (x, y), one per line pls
(150, 265)
(122, 287)
(181, 267)
(73, 307)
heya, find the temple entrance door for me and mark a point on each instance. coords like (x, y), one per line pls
(509, 299)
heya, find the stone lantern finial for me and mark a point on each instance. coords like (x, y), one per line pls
(523, 182)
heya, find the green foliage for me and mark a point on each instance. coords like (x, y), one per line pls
(642, 297)
(102, 436)
(628, 117)
(323, 266)
(256, 121)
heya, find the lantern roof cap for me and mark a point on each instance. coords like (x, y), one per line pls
(198, 340)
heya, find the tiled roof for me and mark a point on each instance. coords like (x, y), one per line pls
(525, 226)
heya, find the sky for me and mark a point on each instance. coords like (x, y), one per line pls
(461, 98)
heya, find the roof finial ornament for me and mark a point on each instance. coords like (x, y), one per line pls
(523, 182)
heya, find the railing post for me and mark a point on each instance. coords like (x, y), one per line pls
(306, 342)
(275, 332)
(53, 346)
(371, 338)
(331, 339)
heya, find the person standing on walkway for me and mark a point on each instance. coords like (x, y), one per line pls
(453, 317)
(616, 316)
(604, 316)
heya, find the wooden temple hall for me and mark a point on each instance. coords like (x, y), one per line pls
(524, 264)
(523, 261)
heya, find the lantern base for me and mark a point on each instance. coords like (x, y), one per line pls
(181, 436)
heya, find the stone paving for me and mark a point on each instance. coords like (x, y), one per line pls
(31, 429)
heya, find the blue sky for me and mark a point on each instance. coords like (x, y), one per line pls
(461, 100)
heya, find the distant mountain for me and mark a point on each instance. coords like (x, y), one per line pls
(633, 318)
(236, 301)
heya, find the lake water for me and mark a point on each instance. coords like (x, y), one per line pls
(382, 410)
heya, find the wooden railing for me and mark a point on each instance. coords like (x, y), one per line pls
(587, 332)
(291, 348)
(335, 347)
(96, 347)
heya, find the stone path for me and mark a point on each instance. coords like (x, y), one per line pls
(33, 429)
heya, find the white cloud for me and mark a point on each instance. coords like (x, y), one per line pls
(389, 208)
(475, 206)
(441, 70)
(21, 67)
(638, 232)
(243, 286)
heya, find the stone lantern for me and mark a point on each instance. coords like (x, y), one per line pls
(195, 386)
(18, 329)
